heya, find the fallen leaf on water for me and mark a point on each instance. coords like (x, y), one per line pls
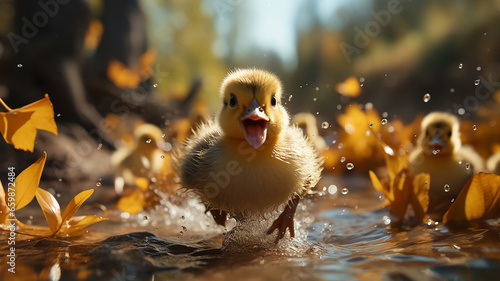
(419, 198)
(76, 225)
(479, 199)
(18, 126)
(50, 208)
(26, 183)
(75, 204)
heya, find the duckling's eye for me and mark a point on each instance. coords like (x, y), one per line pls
(449, 133)
(233, 101)
(273, 100)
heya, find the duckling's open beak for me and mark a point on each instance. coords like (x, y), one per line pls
(436, 143)
(254, 124)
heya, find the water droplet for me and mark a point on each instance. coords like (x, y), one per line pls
(19, 65)
(181, 233)
(340, 146)
(460, 162)
(325, 125)
(98, 184)
(371, 125)
(163, 136)
(58, 195)
(167, 146)
(345, 190)
(386, 220)
(148, 141)
(435, 151)
(452, 90)
(349, 166)
(460, 66)
(467, 166)
(184, 228)
(58, 115)
(383, 121)
(162, 157)
(474, 127)
(145, 218)
(426, 182)
(342, 159)
(361, 79)
(461, 111)
(155, 85)
(427, 97)
(315, 99)
(317, 89)
(477, 82)
(332, 189)
(339, 106)
(317, 112)
(290, 97)
(478, 68)
(99, 146)
(446, 188)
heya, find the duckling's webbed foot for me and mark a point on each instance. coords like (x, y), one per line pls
(285, 220)
(219, 216)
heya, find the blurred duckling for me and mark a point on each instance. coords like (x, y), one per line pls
(493, 164)
(249, 160)
(307, 122)
(143, 159)
(440, 153)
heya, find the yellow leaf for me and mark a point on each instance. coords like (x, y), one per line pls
(378, 185)
(17, 129)
(18, 126)
(419, 198)
(479, 199)
(26, 182)
(401, 192)
(75, 204)
(43, 114)
(77, 224)
(50, 208)
(4, 210)
(350, 87)
(142, 183)
(122, 76)
(132, 203)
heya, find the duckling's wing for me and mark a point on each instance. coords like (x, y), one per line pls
(299, 149)
(195, 164)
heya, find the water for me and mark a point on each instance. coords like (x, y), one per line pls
(338, 237)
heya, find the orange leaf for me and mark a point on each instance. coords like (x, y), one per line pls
(50, 208)
(75, 204)
(43, 114)
(132, 203)
(479, 199)
(146, 61)
(4, 210)
(350, 87)
(142, 183)
(401, 191)
(77, 224)
(122, 76)
(419, 198)
(378, 185)
(26, 183)
(18, 126)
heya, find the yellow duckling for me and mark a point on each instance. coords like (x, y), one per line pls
(440, 153)
(493, 163)
(142, 160)
(250, 160)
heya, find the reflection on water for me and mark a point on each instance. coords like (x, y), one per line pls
(338, 237)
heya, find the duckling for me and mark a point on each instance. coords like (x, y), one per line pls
(493, 164)
(440, 153)
(142, 160)
(307, 122)
(249, 160)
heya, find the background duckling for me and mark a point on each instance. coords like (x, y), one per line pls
(493, 164)
(307, 122)
(440, 153)
(143, 159)
(250, 160)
